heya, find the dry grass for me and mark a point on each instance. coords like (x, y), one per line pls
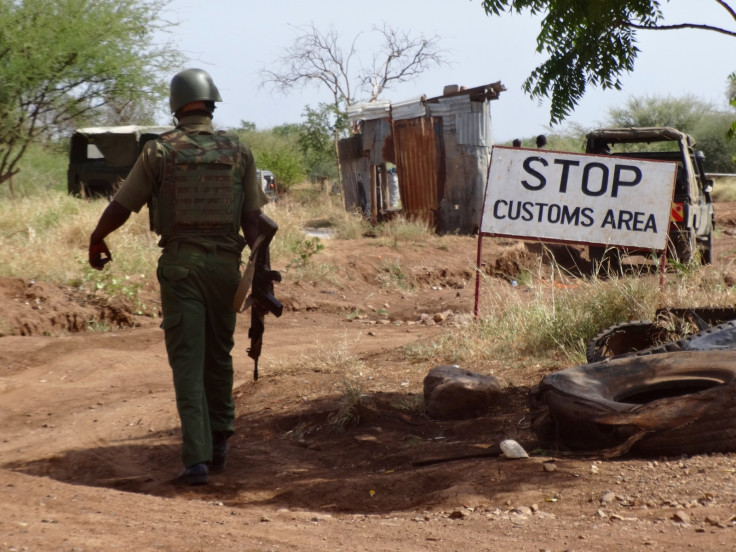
(46, 237)
(329, 358)
(724, 189)
(551, 321)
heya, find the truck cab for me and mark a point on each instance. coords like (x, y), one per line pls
(691, 220)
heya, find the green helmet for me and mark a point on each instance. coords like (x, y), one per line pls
(192, 85)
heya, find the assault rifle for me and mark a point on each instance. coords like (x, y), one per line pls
(262, 300)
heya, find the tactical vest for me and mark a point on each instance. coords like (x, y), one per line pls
(201, 192)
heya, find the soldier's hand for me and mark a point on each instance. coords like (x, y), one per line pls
(96, 252)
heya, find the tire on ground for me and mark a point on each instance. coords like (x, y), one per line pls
(652, 405)
(620, 339)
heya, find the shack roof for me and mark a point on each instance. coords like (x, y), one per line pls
(415, 107)
(476, 94)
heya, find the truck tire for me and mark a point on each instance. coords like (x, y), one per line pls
(683, 245)
(652, 405)
(705, 246)
(620, 339)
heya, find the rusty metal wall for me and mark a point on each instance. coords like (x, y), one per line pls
(355, 173)
(466, 168)
(442, 149)
(467, 154)
(417, 166)
(374, 136)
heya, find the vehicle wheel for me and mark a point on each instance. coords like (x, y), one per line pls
(705, 246)
(652, 405)
(624, 338)
(683, 245)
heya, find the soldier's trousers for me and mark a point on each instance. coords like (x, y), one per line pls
(197, 291)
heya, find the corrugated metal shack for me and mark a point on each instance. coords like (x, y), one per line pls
(441, 148)
(361, 157)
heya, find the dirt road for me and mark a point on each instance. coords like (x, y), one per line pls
(89, 440)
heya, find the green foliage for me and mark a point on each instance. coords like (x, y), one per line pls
(708, 125)
(110, 285)
(317, 133)
(278, 152)
(545, 322)
(732, 101)
(392, 275)
(248, 126)
(586, 43)
(711, 136)
(304, 250)
(400, 230)
(43, 167)
(681, 113)
(286, 130)
(286, 166)
(62, 60)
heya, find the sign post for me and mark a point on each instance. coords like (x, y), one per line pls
(577, 198)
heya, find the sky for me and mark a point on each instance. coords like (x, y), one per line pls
(234, 40)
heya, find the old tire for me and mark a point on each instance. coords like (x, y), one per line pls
(623, 338)
(653, 405)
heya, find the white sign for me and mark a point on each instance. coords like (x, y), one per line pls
(597, 199)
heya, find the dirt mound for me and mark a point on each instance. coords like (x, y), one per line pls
(42, 308)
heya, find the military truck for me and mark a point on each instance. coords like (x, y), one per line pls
(692, 220)
(101, 157)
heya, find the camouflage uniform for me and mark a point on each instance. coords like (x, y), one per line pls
(197, 184)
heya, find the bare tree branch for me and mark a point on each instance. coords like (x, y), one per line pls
(681, 26)
(317, 57)
(314, 57)
(728, 8)
(401, 59)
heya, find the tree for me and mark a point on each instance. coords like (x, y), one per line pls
(69, 61)
(588, 43)
(317, 58)
(315, 139)
(276, 151)
(681, 113)
(249, 126)
(732, 100)
(702, 120)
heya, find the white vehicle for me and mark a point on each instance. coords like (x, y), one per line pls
(268, 183)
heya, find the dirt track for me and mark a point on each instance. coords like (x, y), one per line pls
(89, 438)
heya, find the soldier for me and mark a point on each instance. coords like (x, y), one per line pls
(201, 189)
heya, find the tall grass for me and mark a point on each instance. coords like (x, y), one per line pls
(550, 322)
(42, 168)
(45, 236)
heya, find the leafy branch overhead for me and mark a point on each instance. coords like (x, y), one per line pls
(69, 62)
(589, 43)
